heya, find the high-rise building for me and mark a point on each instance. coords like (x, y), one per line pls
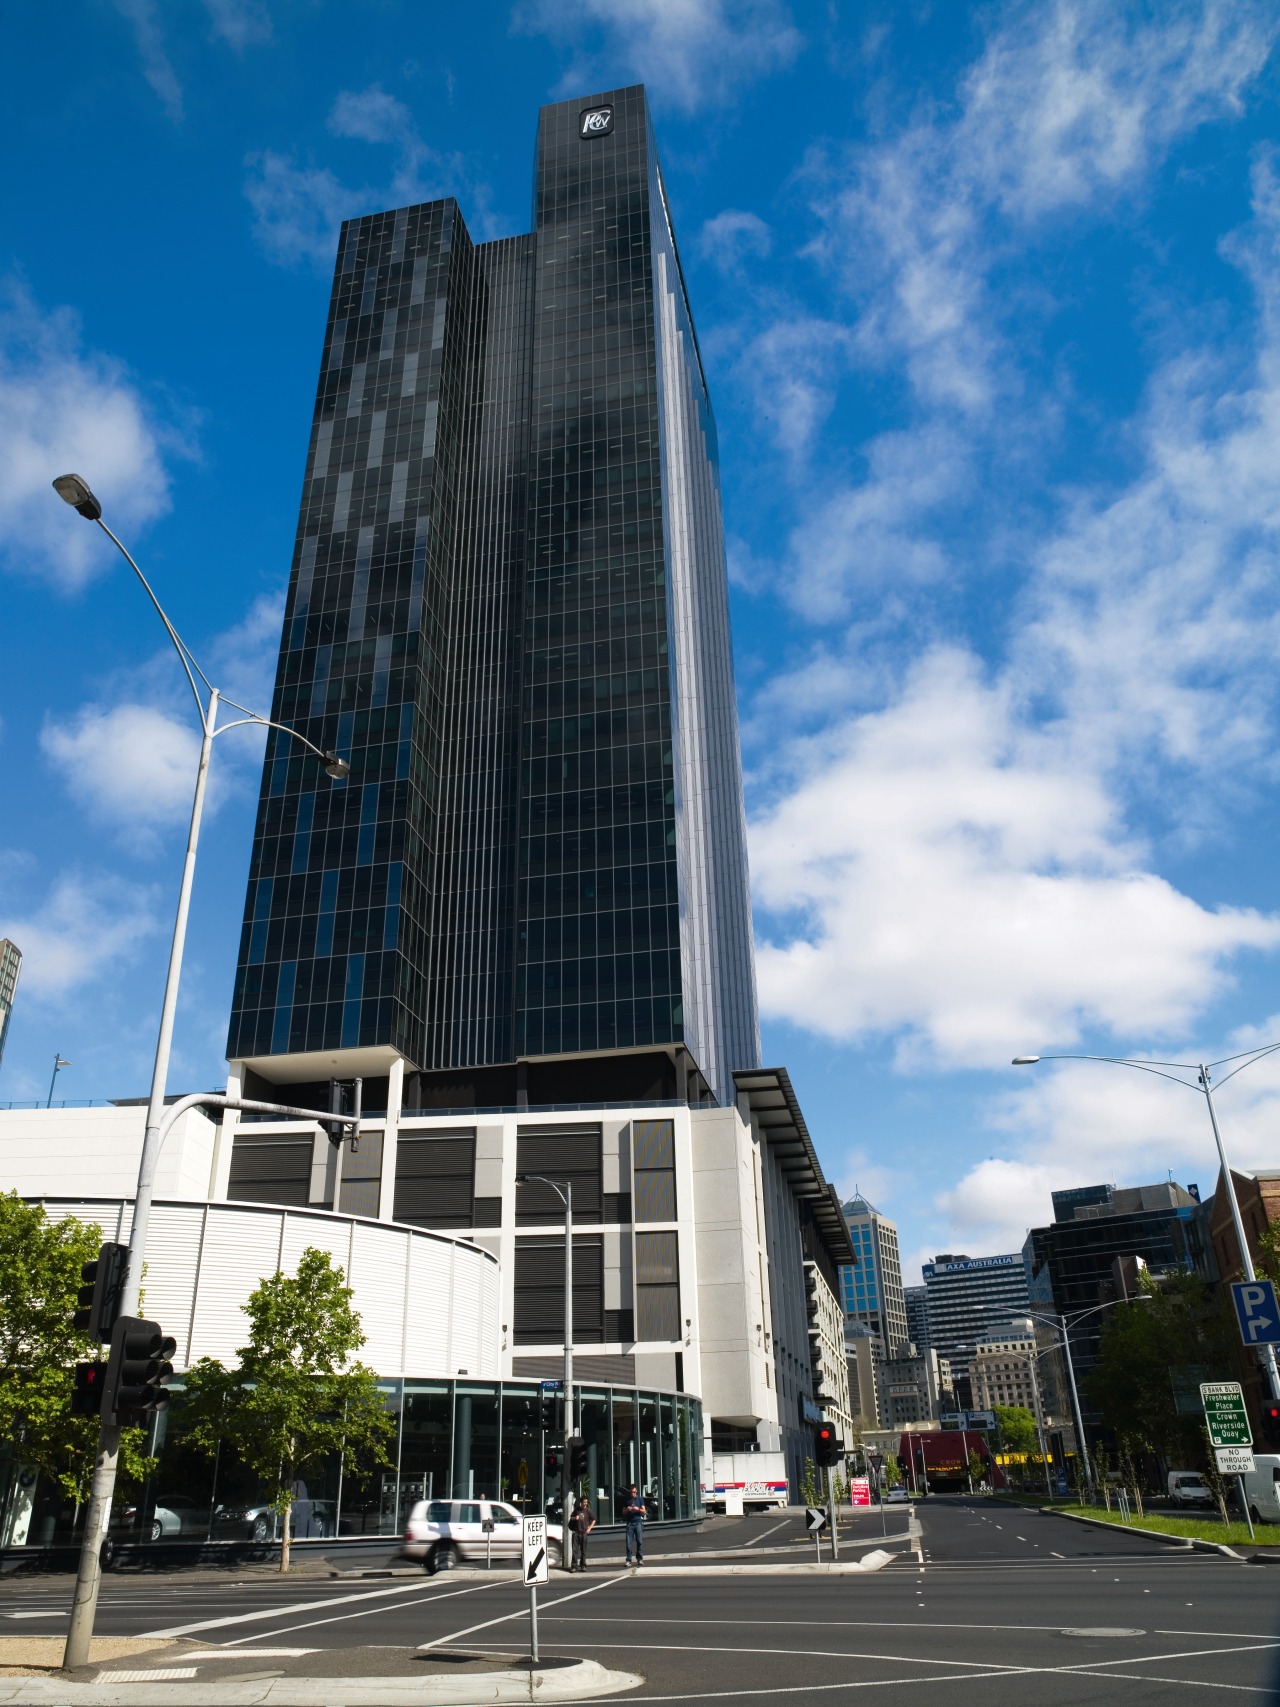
(508, 609)
(968, 1295)
(10, 966)
(916, 1300)
(871, 1288)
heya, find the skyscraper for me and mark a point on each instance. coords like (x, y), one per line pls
(966, 1297)
(10, 966)
(871, 1290)
(508, 609)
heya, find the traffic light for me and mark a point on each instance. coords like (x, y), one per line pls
(555, 1463)
(1271, 1424)
(138, 1370)
(98, 1300)
(830, 1450)
(90, 1384)
(552, 1412)
(577, 1458)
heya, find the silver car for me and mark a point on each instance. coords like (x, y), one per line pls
(444, 1533)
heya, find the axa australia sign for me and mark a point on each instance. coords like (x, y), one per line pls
(969, 1264)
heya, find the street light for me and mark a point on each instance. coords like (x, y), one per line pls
(564, 1191)
(1060, 1322)
(74, 490)
(58, 1065)
(1201, 1086)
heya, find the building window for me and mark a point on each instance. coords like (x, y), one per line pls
(568, 1153)
(539, 1291)
(275, 1170)
(657, 1287)
(435, 1180)
(655, 1170)
(361, 1183)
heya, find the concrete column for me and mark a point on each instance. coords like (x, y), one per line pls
(224, 1139)
(390, 1141)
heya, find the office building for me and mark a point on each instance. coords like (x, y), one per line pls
(1003, 1369)
(1081, 1260)
(910, 1387)
(871, 1289)
(863, 1364)
(10, 966)
(508, 609)
(916, 1301)
(827, 1361)
(968, 1295)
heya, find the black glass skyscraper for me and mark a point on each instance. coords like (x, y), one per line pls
(509, 609)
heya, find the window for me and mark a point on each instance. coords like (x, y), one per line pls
(539, 1291)
(275, 1170)
(435, 1180)
(657, 1287)
(655, 1170)
(568, 1153)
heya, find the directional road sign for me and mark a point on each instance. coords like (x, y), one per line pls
(1224, 1413)
(1257, 1311)
(533, 1553)
(814, 1519)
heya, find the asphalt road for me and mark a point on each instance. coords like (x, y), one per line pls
(991, 1606)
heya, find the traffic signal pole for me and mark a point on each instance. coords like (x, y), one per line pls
(84, 1603)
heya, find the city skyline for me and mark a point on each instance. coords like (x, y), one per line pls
(1000, 562)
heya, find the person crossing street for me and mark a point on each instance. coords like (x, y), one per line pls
(634, 1512)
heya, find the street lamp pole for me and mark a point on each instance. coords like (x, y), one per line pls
(564, 1191)
(76, 492)
(58, 1065)
(1202, 1087)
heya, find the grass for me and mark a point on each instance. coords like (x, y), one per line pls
(1194, 1528)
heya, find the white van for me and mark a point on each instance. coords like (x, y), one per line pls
(1262, 1488)
(1188, 1487)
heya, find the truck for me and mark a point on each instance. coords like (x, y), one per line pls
(758, 1479)
(1188, 1487)
(1262, 1488)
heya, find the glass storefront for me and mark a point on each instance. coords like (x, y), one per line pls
(456, 1439)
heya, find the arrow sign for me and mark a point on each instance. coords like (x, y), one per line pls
(535, 1571)
(1257, 1311)
(814, 1519)
(533, 1552)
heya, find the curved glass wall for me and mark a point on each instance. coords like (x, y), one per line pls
(456, 1439)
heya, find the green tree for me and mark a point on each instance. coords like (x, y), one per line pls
(1181, 1329)
(40, 1263)
(295, 1398)
(809, 1483)
(977, 1468)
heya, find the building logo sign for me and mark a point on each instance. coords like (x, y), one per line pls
(970, 1264)
(596, 121)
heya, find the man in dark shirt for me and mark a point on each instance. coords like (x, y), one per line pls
(634, 1511)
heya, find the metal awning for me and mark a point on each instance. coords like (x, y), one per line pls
(774, 1108)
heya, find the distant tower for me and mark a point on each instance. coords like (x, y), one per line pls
(10, 966)
(872, 1291)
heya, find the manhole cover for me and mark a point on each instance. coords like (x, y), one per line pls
(1102, 1630)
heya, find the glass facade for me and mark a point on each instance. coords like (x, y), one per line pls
(455, 1440)
(509, 610)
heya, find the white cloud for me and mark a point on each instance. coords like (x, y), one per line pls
(87, 925)
(939, 872)
(65, 408)
(133, 766)
(687, 51)
(299, 209)
(734, 236)
(240, 23)
(157, 68)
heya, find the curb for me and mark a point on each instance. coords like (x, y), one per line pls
(876, 1560)
(580, 1681)
(1187, 1542)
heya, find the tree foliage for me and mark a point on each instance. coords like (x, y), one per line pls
(1178, 1336)
(295, 1397)
(40, 1263)
(1018, 1430)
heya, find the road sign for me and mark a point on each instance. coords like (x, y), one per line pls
(1224, 1414)
(814, 1519)
(1257, 1311)
(522, 1474)
(1234, 1460)
(551, 1386)
(533, 1552)
(859, 1490)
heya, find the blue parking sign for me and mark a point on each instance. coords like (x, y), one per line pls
(1257, 1311)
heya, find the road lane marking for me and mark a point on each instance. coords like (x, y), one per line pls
(772, 1531)
(523, 1612)
(37, 1615)
(285, 1611)
(363, 1612)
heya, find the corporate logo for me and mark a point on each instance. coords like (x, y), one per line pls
(596, 121)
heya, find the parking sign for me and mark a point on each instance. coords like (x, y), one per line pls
(1256, 1311)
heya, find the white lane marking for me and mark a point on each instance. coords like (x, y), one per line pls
(284, 1611)
(772, 1531)
(37, 1615)
(233, 1653)
(162, 1674)
(523, 1612)
(362, 1612)
(1059, 1555)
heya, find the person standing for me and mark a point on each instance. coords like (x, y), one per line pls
(581, 1523)
(635, 1514)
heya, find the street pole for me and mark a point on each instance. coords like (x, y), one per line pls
(1081, 1445)
(1246, 1261)
(566, 1475)
(58, 1065)
(831, 1507)
(1044, 1454)
(84, 1602)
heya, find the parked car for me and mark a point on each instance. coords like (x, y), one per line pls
(1188, 1487)
(444, 1533)
(1262, 1488)
(173, 1515)
(897, 1496)
(311, 1520)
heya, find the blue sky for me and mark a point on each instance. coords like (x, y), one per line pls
(990, 306)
